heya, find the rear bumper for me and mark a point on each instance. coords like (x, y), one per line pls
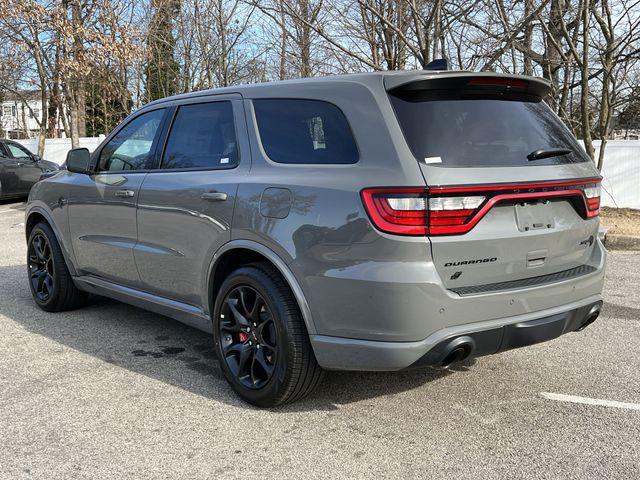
(406, 301)
(481, 338)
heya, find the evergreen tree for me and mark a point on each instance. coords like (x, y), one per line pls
(108, 103)
(162, 69)
(629, 118)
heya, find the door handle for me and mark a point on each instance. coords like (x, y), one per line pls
(214, 196)
(125, 193)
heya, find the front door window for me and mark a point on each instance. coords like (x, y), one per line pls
(133, 146)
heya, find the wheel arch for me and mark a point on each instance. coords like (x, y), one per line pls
(33, 219)
(36, 215)
(241, 252)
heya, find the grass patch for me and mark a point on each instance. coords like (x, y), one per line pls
(621, 221)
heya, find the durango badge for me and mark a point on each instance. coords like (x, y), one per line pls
(471, 262)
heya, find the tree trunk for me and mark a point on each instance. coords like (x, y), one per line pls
(528, 38)
(584, 93)
(305, 39)
(25, 127)
(42, 134)
(80, 87)
(65, 123)
(282, 68)
(552, 57)
(72, 118)
(52, 115)
(608, 80)
(223, 65)
(81, 95)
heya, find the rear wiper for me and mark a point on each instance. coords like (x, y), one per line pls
(551, 152)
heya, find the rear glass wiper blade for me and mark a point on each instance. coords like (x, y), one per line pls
(547, 153)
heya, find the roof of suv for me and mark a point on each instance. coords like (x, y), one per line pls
(389, 79)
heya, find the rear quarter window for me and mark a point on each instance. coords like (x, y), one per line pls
(304, 132)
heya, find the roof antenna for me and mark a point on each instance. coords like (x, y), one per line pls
(437, 64)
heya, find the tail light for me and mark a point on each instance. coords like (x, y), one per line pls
(456, 210)
(592, 193)
(451, 211)
(402, 211)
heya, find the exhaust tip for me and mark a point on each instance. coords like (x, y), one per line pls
(457, 350)
(591, 317)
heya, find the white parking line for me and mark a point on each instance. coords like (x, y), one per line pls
(559, 397)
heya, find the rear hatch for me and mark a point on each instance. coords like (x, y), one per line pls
(512, 197)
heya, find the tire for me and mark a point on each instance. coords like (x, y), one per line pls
(286, 348)
(50, 282)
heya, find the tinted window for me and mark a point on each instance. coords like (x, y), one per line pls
(18, 152)
(457, 132)
(202, 136)
(304, 131)
(132, 147)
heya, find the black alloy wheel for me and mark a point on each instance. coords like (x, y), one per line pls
(248, 336)
(260, 338)
(41, 271)
(50, 281)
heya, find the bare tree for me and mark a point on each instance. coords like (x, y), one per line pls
(589, 50)
(213, 44)
(22, 24)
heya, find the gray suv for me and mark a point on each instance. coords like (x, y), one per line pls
(377, 221)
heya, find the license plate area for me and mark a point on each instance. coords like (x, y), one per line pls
(534, 216)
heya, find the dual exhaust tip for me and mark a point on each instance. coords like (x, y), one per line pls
(457, 350)
(461, 348)
(591, 317)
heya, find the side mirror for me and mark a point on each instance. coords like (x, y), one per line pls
(36, 158)
(78, 160)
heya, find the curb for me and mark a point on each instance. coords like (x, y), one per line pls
(621, 242)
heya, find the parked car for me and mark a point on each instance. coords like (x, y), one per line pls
(377, 221)
(20, 170)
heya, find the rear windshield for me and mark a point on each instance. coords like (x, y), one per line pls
(450, 131)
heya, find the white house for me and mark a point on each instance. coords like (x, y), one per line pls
(21, 113)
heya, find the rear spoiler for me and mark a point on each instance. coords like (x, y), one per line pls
(462, 81)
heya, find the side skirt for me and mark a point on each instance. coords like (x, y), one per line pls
(183, 312)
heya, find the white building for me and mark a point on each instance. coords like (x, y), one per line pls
(21, 113)
(629, 134)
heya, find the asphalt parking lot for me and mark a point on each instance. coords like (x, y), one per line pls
(112, 391)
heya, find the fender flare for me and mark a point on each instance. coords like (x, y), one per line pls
(65, 253)
(278, 262)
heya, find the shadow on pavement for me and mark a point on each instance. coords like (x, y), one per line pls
(173, 353)
(613, 310)
(13, 204)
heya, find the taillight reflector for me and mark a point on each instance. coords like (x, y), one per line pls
(455, 203)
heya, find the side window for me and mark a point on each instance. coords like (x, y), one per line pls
(131, 147)
(202, 136)
(17, 152)
(304, 131)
